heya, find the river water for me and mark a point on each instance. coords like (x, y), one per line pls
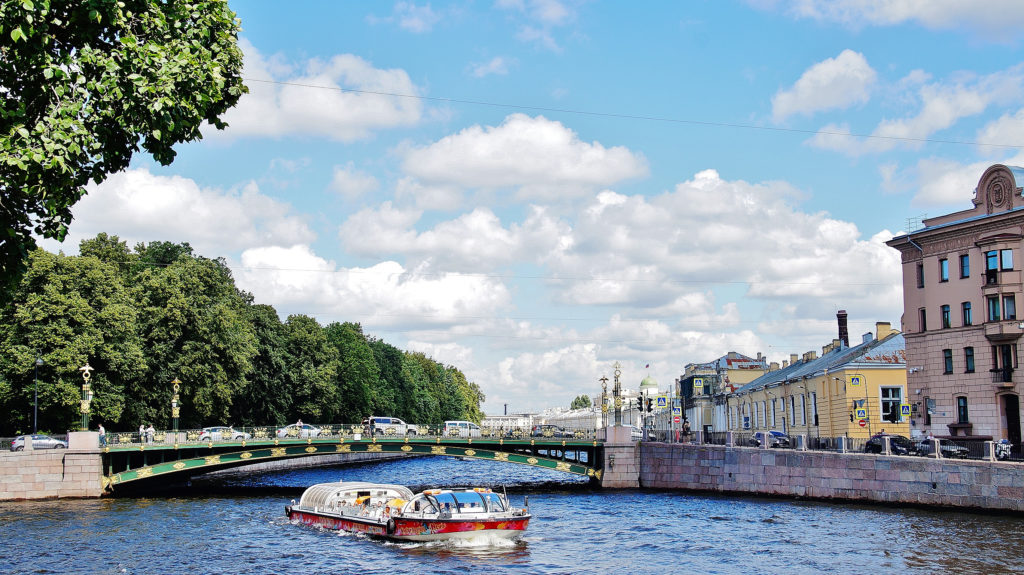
(237, 525)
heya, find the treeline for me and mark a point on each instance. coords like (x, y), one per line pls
(143, 317)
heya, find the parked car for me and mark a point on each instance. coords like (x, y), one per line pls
(549, 430)
(950, 450)
(898, 445)
(461, 429)
(775, 439)
(389, 426)
(303, 430)
(222, 433)
(39, 441)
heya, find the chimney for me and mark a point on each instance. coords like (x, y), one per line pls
(882, 330)
(844, 333)
(792, 358)
(785, 364)
(774, 366)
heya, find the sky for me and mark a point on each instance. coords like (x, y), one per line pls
(534, 190)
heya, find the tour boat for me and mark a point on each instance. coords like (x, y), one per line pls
(393, 511)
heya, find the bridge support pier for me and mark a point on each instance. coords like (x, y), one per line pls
(621, 460)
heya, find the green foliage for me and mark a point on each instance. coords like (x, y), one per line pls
(581, 402)
(144, 317)
(86, 84)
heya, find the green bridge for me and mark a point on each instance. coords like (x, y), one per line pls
(170, 457)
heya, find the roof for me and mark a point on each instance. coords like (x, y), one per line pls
(874, 353)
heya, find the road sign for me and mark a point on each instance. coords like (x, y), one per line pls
(698, 385)
(855, 381)
(861, 413)
(677, 410)
(677, 419)
(905, 409)
(661, 401)
(863, 423)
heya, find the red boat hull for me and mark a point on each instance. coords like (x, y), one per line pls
(416, 529)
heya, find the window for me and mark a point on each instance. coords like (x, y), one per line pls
(969, 360)
(947, 361)
(1009, 307)
(924, 320)
(920, 275)
(961, 410)
(803, 410)
(965, 266)
(991, 260)
(892, 397)
(947, 322)
(993, 308)
(966, 309)
(773, 413)
(792, 410)
(943, 270)
(1006, 259)
(814, 406)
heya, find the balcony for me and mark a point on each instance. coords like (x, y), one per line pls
(1001, 331)
(1004, 375)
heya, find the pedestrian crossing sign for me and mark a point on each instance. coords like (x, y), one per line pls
(855, 380)
(861, 413)
(661, 401)
(698, 385)
(677, 411)
(905, 409)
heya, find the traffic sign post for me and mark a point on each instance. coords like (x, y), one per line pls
(863, 423)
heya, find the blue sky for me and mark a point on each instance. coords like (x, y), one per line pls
(532, 190)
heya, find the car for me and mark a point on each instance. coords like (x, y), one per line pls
(898, 445)
(39, 441)
(303, 430)
(776, 439)
(222, 433)
(549, 430)
(389, 426)
(949, 449)
(461, 429)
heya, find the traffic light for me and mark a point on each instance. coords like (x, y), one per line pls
(650, 404)
(640, 404)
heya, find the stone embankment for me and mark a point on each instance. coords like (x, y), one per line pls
(49, 474)
(833, 476)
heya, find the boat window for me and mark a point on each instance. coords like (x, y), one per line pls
(446, 498)
(470, 501)
(494, 502)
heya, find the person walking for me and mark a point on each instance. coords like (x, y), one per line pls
(142, 433)
(150, 432)
(103, 436)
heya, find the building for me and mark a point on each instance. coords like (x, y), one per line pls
(961, 280)
(704, 405)
(848, 391)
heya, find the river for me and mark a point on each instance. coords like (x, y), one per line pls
(237, 525)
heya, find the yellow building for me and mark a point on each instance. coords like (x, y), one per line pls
(846, 392)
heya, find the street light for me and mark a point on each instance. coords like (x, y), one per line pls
(175, 408)
(86, 394)
(35, 401)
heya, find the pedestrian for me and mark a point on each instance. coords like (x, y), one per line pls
(150, 432)
(142, 433)
(103, 436)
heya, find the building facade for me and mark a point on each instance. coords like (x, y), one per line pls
(961, 281)
(704, 405)
(851, 392)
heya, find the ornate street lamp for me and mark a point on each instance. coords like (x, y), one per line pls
(35, 401)
(617, 393)
(604, 400)
(86, 394)
(175, 408)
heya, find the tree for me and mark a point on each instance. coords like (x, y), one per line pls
(85, 86)
(581, 402)
(358, 374)
(312, 371)
(264, 397)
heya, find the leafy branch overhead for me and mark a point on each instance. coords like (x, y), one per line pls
(84, 84)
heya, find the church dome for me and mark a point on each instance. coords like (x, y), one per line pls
(648, 384)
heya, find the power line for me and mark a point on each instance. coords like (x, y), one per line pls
(623, 116)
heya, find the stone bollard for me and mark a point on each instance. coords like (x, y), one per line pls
(841, 444)
(886, 445)
(936, 448)
(990, 451)
(801, 442)
(730, 439)
(698, 437)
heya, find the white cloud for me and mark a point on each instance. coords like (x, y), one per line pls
(385, 294)
(352, 183)
(415, 18)
(139, 206)
(832, 84)
(994, 18)
(1007, 130)
(539, 157)
(344, 98)
(496, 65)
(941, 106)
(539, 19)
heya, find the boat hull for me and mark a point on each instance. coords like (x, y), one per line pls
(408, 529)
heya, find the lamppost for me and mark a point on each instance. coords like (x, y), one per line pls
(86, 394)
(617, 392)
(35, 400)
(174, 407)
(604, 400)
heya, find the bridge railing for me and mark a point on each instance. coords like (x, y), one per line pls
(235, 434)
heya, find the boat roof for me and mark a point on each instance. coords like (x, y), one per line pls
(323, 494)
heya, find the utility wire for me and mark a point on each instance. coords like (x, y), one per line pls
(635, 116)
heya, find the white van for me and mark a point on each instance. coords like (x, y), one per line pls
(461, 429)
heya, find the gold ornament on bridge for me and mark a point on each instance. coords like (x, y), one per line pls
(212, 459)
(179, 465)
(343, 448)
(310, 449)
(160, 437)
(407, 448)
(374, 448)
(470, 452)
(260, 433)
(245, 455)
(278, 452)
(532, 461)
(562, 466)
(501, 457)
(437, 450)
(144, 472)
